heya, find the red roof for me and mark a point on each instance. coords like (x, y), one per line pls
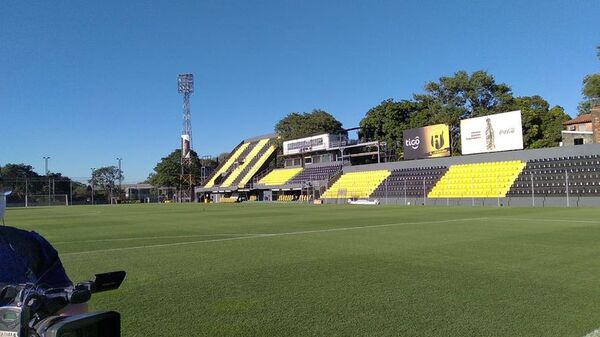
(585, 118)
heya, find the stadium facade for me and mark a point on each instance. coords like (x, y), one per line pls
(496, 172)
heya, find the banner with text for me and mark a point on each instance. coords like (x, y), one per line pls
(427, 142)
(308, 144)
(493, 133)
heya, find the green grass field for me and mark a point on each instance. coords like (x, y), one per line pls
(303, 270)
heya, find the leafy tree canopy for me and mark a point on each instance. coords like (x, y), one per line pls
(386, 121)
(168, 170)
(542, 125)
(298, 125)
(462, 96)
(591, 86)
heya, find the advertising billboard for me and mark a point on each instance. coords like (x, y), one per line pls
(308, 144)
(428, 142)
(493, 133)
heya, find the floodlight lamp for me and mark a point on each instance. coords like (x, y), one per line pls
(185, 83)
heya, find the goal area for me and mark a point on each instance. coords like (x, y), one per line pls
(46, 200)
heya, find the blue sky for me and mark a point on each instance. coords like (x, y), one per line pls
(85, 82)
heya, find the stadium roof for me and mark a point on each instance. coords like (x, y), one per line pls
(585, 118)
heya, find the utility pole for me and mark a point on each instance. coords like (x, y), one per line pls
(120, 174)
(26, 192)
(47, 176)
(92, 183)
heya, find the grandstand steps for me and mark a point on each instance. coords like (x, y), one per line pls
(410, 182)
(235, 155)
(279, 177)
(477, 180)
(246, 156)
(358, 184)
(255, 164)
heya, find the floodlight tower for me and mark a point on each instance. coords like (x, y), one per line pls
(185, 86)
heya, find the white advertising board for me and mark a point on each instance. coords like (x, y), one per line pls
(308, 144)
(493, 133)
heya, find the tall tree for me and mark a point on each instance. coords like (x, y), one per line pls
(168, 170)
(386, 121)
(542, 125)
(16, 175)
(106, 178)
(590, 90)
(445, 101)
(298, 125)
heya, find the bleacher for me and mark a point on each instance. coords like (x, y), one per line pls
(285, 198)
(243, 164)
(515, 176)
(279, 176)
(316, 173)
(237, 153)
(549, 177)
(478, 180)
(356, 184)
(255, 149)
(261, 158)
(410, 182)
(228, 200)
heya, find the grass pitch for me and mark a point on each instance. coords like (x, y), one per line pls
(303, 270)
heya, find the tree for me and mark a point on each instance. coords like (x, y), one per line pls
(386, 121)
(542, 125)
(591, 86)
(298, 125)
(445, 101)
(106, 178)
(167, 171)
(15, 176)
(590, 90)
(462, 96)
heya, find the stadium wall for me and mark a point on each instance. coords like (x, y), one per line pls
(523, 155)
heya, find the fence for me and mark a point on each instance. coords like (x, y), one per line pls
(54, 191)
(536, 188)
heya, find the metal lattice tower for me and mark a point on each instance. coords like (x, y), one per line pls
(185, 86)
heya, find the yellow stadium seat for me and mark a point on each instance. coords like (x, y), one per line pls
(279, 176)
(356, 184)
(480, 180)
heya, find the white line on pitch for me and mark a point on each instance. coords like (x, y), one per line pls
(269, 235)
(156, 237)
(551, 220)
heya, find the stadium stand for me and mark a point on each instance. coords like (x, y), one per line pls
(359, 184)
(228, 200)
(260, 159)
(256, 148)
(549, 177)
(316, 173)
(305, 198)
(410, 182)
(478, 180)
(279, 176)
(228, 164)
(285, 198)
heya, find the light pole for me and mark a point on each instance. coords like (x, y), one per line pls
(47, 175)
(92, 183)
(120, 174)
